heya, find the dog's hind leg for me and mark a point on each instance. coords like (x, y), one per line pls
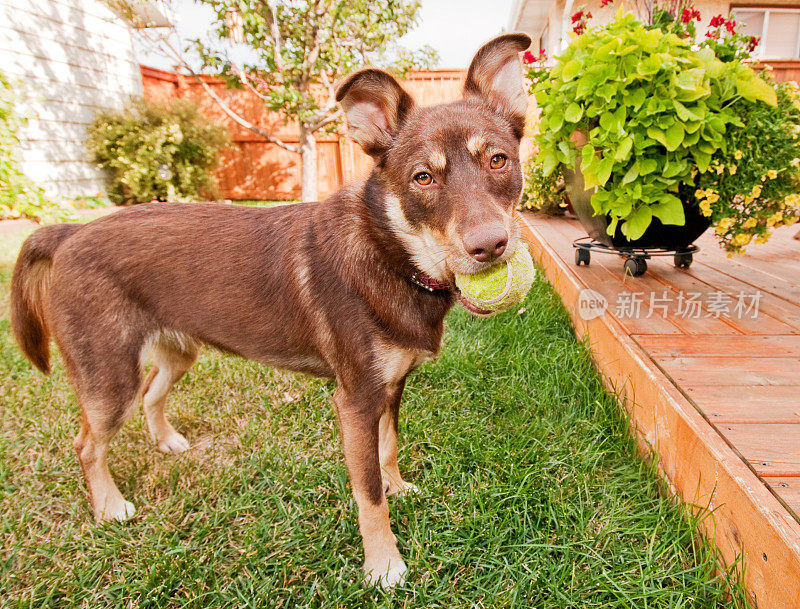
(393, 483)
(107, 399)
(171, 358)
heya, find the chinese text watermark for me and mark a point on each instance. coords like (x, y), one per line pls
(666, 303)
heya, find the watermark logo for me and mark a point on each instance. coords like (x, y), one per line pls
(591, 304)
(684, 305)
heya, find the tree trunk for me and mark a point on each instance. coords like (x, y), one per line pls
(308, 156)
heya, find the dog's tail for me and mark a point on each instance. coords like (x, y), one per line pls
(29, 285)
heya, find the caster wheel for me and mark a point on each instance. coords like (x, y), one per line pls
(635, 266)
(582, 256)
(683, 261)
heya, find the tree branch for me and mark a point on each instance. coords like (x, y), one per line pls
(326, 121)
(245, 80)
(226, 109)
(272, 21)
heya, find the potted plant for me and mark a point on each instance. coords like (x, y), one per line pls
(659, 136)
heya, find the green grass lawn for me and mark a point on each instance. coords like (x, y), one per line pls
(532, 494)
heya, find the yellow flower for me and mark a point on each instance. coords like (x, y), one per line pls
(732, 169)
(741, 239)
(737, 155)
(720, 169)
(792, 200)
(723, 225)
(795, 163)
(772, 174)
(712, 197)
(749, 223)
(790, 220)
(705, 208)
(756, 192)
(699, 193)
(762, 238)
(775, 218)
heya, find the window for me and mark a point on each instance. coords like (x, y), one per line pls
(544, 40)
(778, 28)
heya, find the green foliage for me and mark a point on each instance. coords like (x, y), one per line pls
(544, 193)
(753, 184)
(19, 196)
(134, 143)
(294, 45)
(655, 112)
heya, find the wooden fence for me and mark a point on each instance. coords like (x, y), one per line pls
(254, 169)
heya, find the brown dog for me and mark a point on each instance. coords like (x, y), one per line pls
(354, 288)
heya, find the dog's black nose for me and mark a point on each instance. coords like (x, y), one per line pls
(486, 242)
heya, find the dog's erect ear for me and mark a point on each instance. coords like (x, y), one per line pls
(375, 105)
(495, 77)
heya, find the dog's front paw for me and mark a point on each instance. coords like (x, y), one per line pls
(115, 508)
(174, 443)
(400, 489)
(393, 574)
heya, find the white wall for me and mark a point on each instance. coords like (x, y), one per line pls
(74, 57)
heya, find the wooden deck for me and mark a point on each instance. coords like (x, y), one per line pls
(707, 361)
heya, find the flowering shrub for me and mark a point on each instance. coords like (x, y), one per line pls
(542, 192)
(752, 185)
(660, 116)
(157, 152)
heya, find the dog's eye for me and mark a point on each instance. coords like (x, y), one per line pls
(423, 178)
(498, 161)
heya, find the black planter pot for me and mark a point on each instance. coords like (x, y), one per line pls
(657, 235)
(667, 236)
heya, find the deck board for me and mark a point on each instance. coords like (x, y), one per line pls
(769, 320)
(606, 275)
(718, 398)
(788, 489)
(737, 404)
(740, 371)
(772, 449)
(771, 304)
(752, 346)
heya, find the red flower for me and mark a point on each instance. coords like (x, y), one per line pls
(717, 21)
(579, 20)
(529, 57)
(713, 35)
(604, 3)
(690, 13)
(731, 26)
(753, 43)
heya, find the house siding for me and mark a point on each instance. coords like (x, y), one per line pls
(73, 58)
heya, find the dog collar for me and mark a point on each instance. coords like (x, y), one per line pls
(428, 283)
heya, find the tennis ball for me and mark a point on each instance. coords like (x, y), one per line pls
(499, 287)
